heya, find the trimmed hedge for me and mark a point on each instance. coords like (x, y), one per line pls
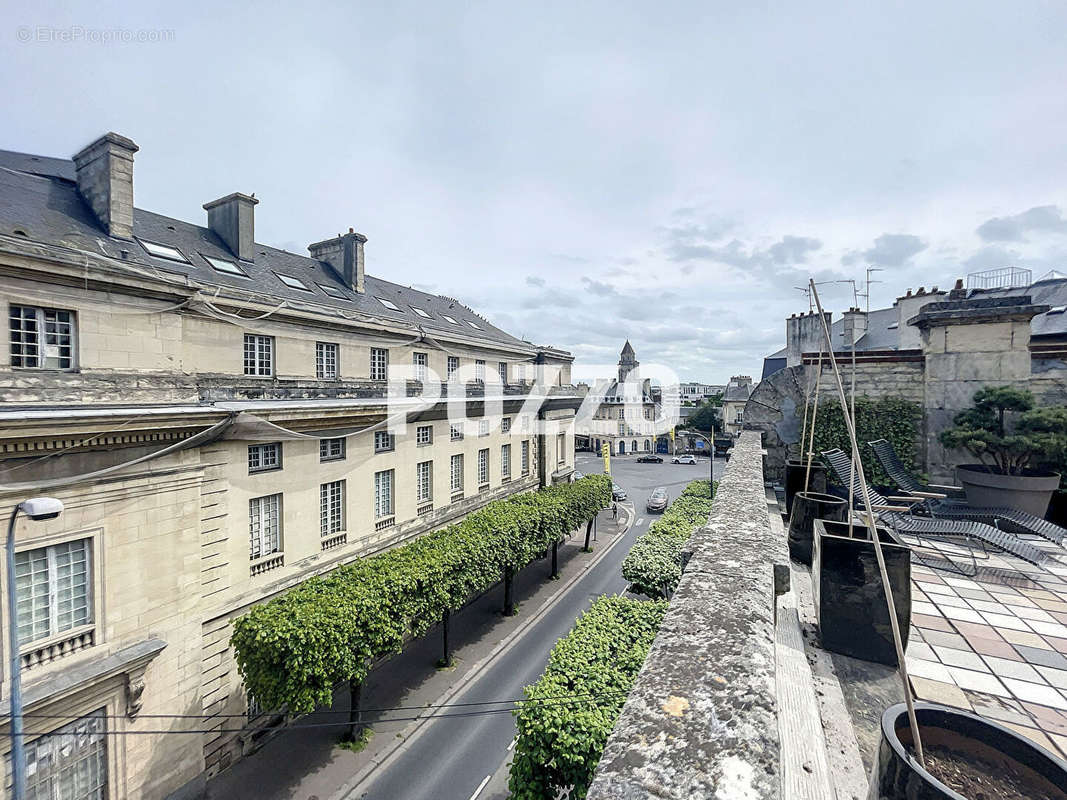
(293, 650)
(570, 711)
(654, 564)
(892, 418)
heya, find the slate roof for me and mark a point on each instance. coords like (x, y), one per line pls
(39, 200)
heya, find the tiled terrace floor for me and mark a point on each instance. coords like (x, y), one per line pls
(995, 643)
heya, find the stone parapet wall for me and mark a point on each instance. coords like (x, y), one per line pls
(701, 721)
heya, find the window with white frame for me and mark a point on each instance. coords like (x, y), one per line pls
(483, 467)
(383, 441)
(424, 435)
(479, 370)
(332, 507)
(264, 457)
(561, 448)
(41, 338)
(420, 361)
(264, 525)
(505, 424)
(53, 590)
(379, 364)
(259, 355)
(483, 427)
(505, 461)
(332, 449)
(326, 361)
(424, 482)
(502, 369)
(525, 457)
(70, 762)
(383, 494)
(457, 473)
(738, 415)
(453, 365)
(455, 432)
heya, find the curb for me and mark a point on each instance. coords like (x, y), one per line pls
(409, 734)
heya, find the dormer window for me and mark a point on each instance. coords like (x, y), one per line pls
(293, 283)
(163, 251)
(224, 266)
(388, 304)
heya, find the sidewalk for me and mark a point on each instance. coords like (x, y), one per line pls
(308, 764)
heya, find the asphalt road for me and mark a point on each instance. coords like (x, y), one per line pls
(466, 758)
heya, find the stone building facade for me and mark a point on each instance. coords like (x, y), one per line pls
(624, 415)
(738, 390)
(218, 418)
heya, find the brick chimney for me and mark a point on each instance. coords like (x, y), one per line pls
(804, 334)
(854, 326)
(345, 255)
(233, 218)
(104, 170)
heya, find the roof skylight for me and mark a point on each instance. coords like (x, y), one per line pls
(421, 313)
(163, 251)
(222, 265)
(1057, 309)
(388, 304)
(474, 324)
(453, 320)
(293, 283)
(333, 291)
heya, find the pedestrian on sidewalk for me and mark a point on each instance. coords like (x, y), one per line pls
(614, 511)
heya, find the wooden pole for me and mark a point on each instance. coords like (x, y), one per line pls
(814, 414)
(902, 668)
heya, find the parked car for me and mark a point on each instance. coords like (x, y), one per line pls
(617, 492)
(686, 459)
(658, 500)
(650, 459)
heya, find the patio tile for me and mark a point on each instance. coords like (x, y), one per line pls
(1014, 600)
(977, 681)
(975, 594)
(1048, 719)
(1046, 658)
(973, 630)
(1025, 639)
(1040, 594)
(988, 605)
(927, 669)
(1002, 621)
(928, 609)
(1006, 668)
(984, 707)
(1057, 677)
(934, 588)
(1057, 644)
(937, 623)
(964, 582)
(1049, 628)
(1036, 693)
(1059, 616)
(960, 658)
(988, 647)
(1034, 613)
(920, 650)
(938, 692)
(963, 614)
(947, 640)
(1051, 605)
(949, 600)
(1061, 742)
(1034, 735)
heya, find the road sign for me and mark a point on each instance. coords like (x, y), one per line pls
(606, 450)
(699, 445)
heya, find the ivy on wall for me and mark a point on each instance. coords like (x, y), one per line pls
(572, 708)
(654, 564)
(891, 418)
(293, 650)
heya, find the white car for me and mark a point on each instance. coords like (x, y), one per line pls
(686, 459)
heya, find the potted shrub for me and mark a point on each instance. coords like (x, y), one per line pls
(1010, 438)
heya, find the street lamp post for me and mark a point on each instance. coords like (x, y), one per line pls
(711, 458)
(36, 508)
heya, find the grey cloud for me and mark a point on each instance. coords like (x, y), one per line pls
(893, 249)
(550, 298)
(793, 249)
(599, 287)
(991, 256)
(534, 281)
(1014, 229)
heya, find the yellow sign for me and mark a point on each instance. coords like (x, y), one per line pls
(606, 450)
(671, 434)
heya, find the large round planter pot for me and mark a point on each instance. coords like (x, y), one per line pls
(1028, 492)
(795, 470)
(898, 776)
(808, 507)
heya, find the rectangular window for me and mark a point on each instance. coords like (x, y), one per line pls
(483, 467)
(259, 355)
(332, 508)
(525, 458)
(479, 370)
(483, 427)
(420, 361)
(264, 457)
(455, 432)
(326, 361)
(424, 482)
(457, 473)
(739, 415)
(502, 368)
(41, 338)
(264, 525)
(505, 461)
(453, 365)
(383, 494)
(332, 449)
(70, 762)
(383, 441)
(164, 251)
(561, 448)
(222, 265)
(424, 435)
(379, 364)
(505, 424)
(52, 587)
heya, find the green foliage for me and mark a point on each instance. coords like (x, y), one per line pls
(578, 698)
(1038, 435)
(890, 418)
(706, 417)
(654, 564)
(293, 650)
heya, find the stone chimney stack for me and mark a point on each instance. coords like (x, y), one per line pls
(907, 307)
(104, 171)
(233, 218)
(804, 334)
(854, 325)
(345, 254)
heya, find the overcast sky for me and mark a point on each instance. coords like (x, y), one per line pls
(666, 172)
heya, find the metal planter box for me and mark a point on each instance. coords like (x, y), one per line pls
(849, 599)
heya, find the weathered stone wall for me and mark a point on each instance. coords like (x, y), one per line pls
(701, 721)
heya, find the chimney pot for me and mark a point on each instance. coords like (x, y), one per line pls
(104, 171)
(232, 218)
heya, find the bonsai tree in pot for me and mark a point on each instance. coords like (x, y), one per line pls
(1009, 437)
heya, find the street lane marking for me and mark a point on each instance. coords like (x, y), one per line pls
(641, 521)
(512, 743)
(481, 786)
